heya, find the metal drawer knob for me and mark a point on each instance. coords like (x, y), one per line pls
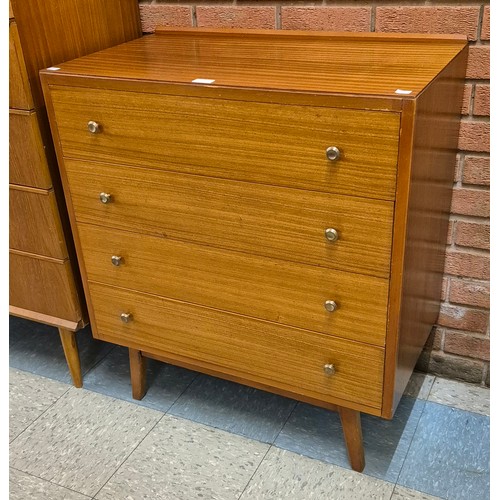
(329, 369)
(105, 198)
(333, 153)
(94, 127)
(330, 305)
(116, 260)
(126, 317)
(331, 234)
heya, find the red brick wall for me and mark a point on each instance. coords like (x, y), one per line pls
(459, 346)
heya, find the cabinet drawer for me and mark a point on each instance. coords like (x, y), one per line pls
(250, 141)
(27, 161)
(11, 14)
(271, 289)
(266, 220)
(44, 286)
(35, 226)
(19, 87)
(279, 356)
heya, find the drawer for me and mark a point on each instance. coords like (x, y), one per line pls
(279, 356)
(11, 14)
(45, 286)
(274, 290)
(35, 226)
(250, 141)
(19, 87)
(27, 161)
(277, 222)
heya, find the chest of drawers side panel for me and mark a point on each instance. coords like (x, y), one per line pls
(423, 199)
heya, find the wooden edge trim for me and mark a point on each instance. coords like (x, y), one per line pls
(23, 112)
(39, 257)
(413, 37)
(397, 256)
(46, 319)
(29, 189)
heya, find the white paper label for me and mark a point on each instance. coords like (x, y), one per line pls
(53, 68)
(405, 92)
(202, 80)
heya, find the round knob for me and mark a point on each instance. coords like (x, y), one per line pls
(94, 127)
(105, 198)
(331, 234)
(126, 317)
(329, 369)
(333, 153)
(116, 260)
(330, 305)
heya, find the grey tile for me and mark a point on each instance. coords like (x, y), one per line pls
(419, 385)
(317, 433)
(81, 440)
(183, 460)
(39, 350)
(286, 475)
(235, 408)
(29, 396)
(23, 486)
(401, 493)
(165, 382)
(449, 456)
(461, 395)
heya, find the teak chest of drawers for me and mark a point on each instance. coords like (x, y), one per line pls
(269, 207)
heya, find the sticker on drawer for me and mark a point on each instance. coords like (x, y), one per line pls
(202, 80)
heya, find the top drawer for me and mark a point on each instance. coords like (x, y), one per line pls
(276, 144)
(19, 86)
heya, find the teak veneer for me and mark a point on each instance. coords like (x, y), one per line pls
(280, 223)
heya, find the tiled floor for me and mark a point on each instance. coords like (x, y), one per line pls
(197, 437)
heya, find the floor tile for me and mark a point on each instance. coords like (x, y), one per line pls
(165, 382)
(419, 385)
(81, 440)
(183, 460)
(29, 396)
(467, 397)
(449, 455)
(23, 486)
(235, 408)
(39, 350)
(401, 493)
(317, 433)
(286, 475)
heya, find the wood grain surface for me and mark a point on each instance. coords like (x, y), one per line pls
(19, 87)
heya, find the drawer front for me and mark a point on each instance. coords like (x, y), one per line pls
(19, 87)
(27, 161)
(274, 290)
(11, 14)
(35, 226)
(258, 142)
(43, 286)
(277, 222)
(283, 357)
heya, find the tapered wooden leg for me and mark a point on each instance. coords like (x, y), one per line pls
(137, 373)
(351, 425)
(70, 347)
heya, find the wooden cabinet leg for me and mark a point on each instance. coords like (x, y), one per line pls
(137, 373)
(351, 425)
(70, 347)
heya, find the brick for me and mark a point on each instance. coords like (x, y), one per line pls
(435, 339)
(463, 318)
(478, 65)
(466, 344)
(218, 16)
(449, 236)
(466, 99)
(474, 136)
(457, 168)
(485, 30)
(471, 234)
(469, 292)
(473, 202)
(482, 100)
(153, 16)
(326, 18)
(468, 265)
(487, 379)
(451, 366)
(420, 19)
(476, 170)
(444, 288)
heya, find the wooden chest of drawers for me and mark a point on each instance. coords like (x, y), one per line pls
(280, 222)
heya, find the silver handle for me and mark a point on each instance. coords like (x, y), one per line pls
(94, 127)
(331, 234)
(126, 317)
(330, 305)
(329, 369)
(333, 153)
(116, 260)
(105, 198)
